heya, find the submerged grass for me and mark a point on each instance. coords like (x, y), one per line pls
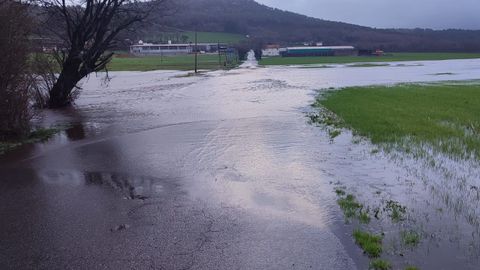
(367, 65)
(395, 211)
(363, 217)
(410, 238)
(393, 57)
(179, 62)
(334, 133)
(41, 134)
(379, 264)
(7, 146)
(38, 135)
(445, 117)
(340, 192)
(370, 243)
(349, 205)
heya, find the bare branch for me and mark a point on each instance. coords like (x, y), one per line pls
(89, 30)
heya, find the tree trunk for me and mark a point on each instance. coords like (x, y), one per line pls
(61, 92)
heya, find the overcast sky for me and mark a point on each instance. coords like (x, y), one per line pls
(436, 14)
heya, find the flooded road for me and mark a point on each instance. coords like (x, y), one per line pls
(162, 170)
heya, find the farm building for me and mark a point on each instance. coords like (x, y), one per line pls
(173, 49)
(271, 50)
(318, 51)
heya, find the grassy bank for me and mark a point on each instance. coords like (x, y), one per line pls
(443, 116)
(202, 37)
(213, 37)
(180, 62)
(358, 59)
(39, 135)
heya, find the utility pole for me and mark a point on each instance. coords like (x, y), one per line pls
(196, 51)
(219, 56)
(161, 55)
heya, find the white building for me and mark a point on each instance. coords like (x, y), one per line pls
(271, 50)
(172, 49)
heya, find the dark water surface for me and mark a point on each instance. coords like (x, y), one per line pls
(222, 171)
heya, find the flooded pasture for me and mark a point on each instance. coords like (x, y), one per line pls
(223, 171)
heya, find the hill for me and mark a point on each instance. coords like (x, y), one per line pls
(269, 25)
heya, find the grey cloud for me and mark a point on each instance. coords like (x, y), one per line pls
(436, 14)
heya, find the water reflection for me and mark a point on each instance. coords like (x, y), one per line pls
(75, 132)
(129, 187)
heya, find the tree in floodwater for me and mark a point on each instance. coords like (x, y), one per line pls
(88, 30)
(15, 79)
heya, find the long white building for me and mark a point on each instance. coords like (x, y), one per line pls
(173, 49)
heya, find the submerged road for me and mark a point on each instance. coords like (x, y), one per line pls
(160, 170)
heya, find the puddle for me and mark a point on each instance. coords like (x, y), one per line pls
(131, 188)
(122, 185)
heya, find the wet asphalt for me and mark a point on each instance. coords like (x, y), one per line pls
(158, 170)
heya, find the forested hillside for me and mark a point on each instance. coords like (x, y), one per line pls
(274, 25)
(268, 25)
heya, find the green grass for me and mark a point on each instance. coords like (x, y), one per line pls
(367, 65)
(334, 133)
(395, 211)
(339, 192)
(379, 264)
(410, 238)
(441, 116)
(349, 205)
(327, 118)
(38, 135)
(370, 243)
(41, 134)
(209, 37)
(7, 146)
(412, 268)
(394, 57)
(180, 62)
(202, 37)
(364, 217)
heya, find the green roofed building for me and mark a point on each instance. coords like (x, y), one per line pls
(318, 51)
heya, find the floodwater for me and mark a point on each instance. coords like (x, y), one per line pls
(162, 170)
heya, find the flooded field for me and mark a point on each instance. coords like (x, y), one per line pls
(223, 171)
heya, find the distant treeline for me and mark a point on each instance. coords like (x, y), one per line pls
(271, 25)
(268, 25)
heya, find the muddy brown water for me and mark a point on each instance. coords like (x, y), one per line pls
(223, 171)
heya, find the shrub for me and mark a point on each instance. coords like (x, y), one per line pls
(14, 75)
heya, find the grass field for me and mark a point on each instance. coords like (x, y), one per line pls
(180, 62)
(215, 37)
(203, 37)
(359, 59)
(443, 116)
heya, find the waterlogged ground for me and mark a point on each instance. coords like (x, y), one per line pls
(162, 170)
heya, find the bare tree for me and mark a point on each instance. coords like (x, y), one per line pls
(14, 70)
(88, 29)
(44, 73)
